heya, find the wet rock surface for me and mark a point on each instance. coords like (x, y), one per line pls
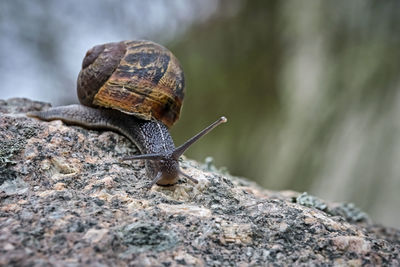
(66, 200)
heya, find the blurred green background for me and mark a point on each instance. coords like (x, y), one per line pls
(310, 88)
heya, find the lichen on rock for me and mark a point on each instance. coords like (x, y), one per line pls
(67, 200)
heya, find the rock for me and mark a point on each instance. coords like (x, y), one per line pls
(67, 200)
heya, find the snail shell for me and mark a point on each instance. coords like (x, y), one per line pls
(136, 77)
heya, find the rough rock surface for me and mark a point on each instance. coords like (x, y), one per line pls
(66, 200)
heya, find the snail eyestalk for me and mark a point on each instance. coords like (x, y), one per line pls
(182, 148)
(155, 180)
(188, 177)
(144, 156)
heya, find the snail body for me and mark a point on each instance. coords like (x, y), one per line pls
(135, 88)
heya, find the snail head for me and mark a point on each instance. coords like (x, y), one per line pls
(167, 163)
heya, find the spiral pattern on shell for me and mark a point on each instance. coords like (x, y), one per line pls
(136, 77)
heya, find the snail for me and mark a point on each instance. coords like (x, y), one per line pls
(135, 88)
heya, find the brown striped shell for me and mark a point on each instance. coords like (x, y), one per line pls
(136, 77)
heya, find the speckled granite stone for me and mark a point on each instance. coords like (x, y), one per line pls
(66, 200)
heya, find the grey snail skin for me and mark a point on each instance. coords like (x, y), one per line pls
(135, 88)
